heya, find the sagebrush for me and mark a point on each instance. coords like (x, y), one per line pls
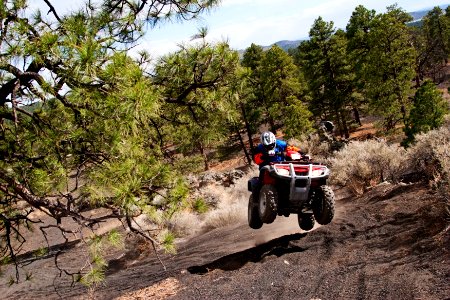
(430, 157)
(361, 164)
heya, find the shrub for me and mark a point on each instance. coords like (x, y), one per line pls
(200, 206)
(367, 163)
(430, 157)
(224, 216)
(184, 223)
(213, 206)
(312, 145)
(232, 207)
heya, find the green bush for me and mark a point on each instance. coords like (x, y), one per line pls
(200, 206)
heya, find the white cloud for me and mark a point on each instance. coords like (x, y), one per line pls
(156, 48)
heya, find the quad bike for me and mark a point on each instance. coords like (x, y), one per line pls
(297, 186)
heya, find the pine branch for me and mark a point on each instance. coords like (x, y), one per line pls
(52, 9)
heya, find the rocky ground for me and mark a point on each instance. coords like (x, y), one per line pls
(390, 243)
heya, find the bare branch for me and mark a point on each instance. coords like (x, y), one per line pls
(146, 236)
(52, 9)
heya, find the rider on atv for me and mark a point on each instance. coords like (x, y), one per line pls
(271, 150)
(288, 183)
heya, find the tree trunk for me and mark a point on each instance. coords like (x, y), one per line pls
(345, 127)
(417, 81)
(205, 157)
(271, 123)
(247, 127)
(356, 115)
(247, 155)
(340, 127)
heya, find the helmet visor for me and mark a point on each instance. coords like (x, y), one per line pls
(270, 146)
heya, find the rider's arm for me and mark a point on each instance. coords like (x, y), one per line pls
(258, 154)
(281, 149)
(282, 145)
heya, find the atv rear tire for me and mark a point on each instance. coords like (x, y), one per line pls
(323, 205)
(254, 221)
(306, 221)
(268, 198)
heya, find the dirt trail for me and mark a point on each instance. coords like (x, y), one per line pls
(385, 245)
(389, 244)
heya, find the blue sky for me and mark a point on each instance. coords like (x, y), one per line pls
(263, 22)
(242, 22)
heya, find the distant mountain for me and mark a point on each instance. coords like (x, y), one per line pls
(286, 45)
(418, 15)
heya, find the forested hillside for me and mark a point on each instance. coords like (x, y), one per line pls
(83, 124)
(416, 21)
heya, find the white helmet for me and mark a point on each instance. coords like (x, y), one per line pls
(268, 140)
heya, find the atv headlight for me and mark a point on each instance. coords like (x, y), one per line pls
(318, 172)
(283, 172)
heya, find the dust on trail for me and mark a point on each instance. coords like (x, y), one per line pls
(235, 198)
(280, 227)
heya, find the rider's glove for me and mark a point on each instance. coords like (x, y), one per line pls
(271, 152)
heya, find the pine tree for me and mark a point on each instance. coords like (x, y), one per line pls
(277, 91)
(327, 69)
(203, 73)
(391, 67)
(427, 113)
(432, 44)
(357, 32)
(78, 119)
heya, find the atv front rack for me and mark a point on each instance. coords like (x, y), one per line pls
(301, 175)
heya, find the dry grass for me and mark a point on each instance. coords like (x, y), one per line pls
(232, 207)
(313, 146)
(185, 223)
(226, 206)
(367, 163)
(430, 157)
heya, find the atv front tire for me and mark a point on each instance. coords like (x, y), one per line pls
(323, 205)
(254, 221)
(268, 198)
(306, 221)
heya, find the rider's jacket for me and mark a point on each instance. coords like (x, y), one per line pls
(262, 157)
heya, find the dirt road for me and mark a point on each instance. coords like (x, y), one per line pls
(391, 243)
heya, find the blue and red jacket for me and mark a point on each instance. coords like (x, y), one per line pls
(262, 158)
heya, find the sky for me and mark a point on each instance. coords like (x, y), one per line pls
(263, 22)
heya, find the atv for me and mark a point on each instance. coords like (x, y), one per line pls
(296, 186)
